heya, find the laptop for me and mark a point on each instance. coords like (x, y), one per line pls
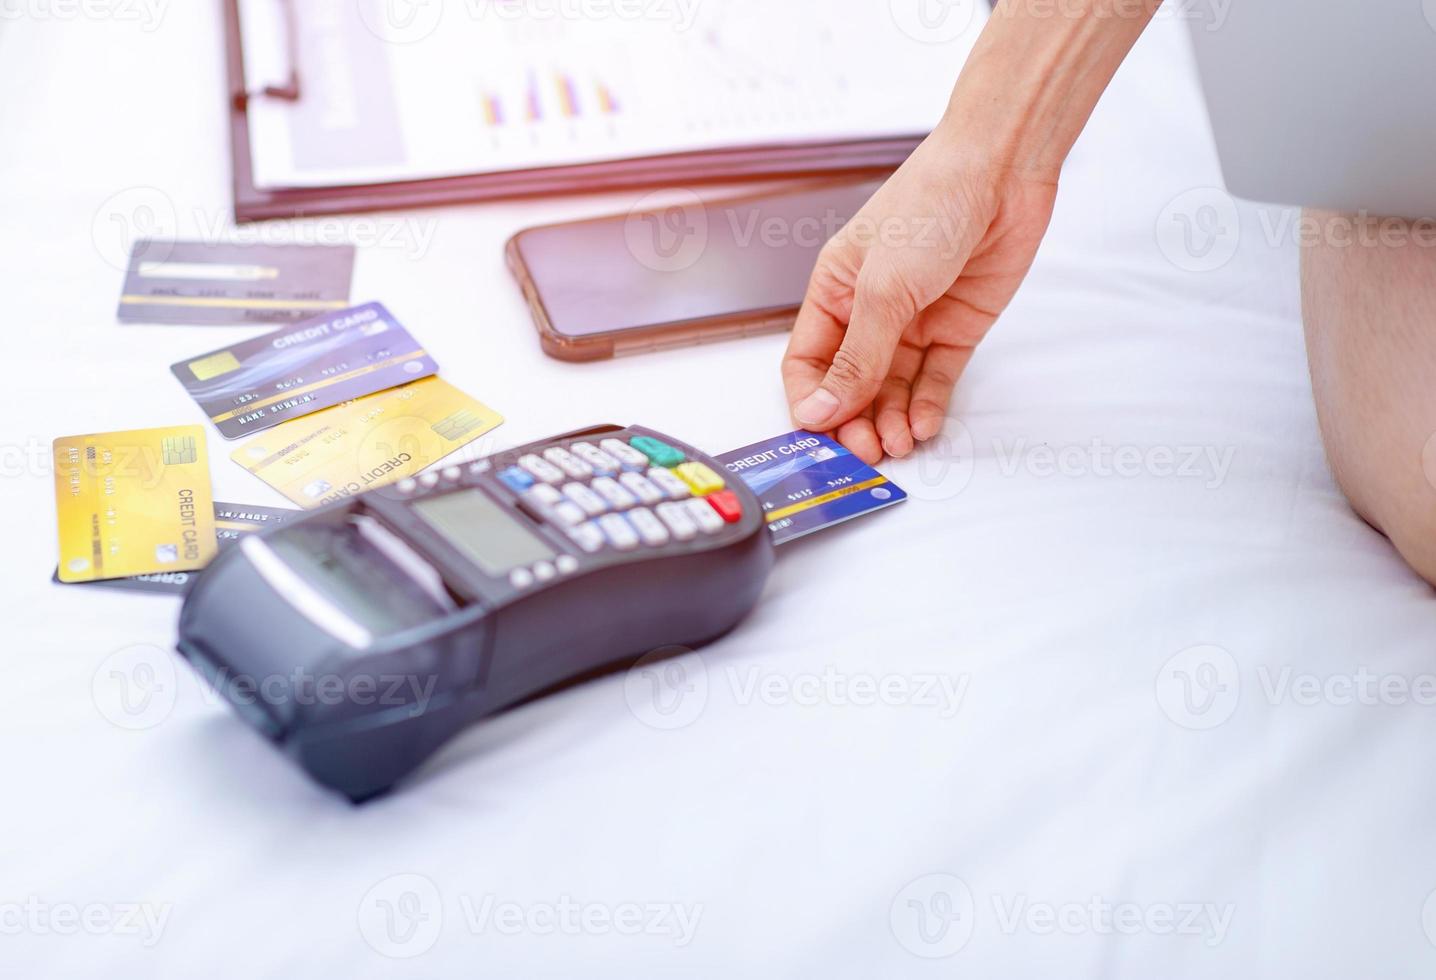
(1323, 103)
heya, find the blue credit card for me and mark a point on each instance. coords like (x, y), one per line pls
(807, 482)
(319, 363)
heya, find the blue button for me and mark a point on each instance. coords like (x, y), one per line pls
(516, 479)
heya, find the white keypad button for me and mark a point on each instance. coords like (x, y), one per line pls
(586, 536)
(543, 571)
(407, 485)
(602, 462)
(617, 497)
(521, 578)
(678, 521)
(428, 479)
(619, 532)
(630, 458)
(591, 502)
(452, 473)
(540, 468)
(649, 528)
(568, 462)
(542, 496)
(567, 564)
(641, 487)
(567, 512)
(705, 516)
(667, 481)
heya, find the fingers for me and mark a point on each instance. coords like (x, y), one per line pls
(891, 405)
(815, 339)
(817, 332)
(932, 390)
(882, 309)
(861, 437)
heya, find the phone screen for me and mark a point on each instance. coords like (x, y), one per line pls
(686, 263)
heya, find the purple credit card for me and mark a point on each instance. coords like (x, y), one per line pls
(315, 364)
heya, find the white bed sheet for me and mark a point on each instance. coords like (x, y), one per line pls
(798, 824)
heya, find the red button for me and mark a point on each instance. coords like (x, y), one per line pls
(727, 504)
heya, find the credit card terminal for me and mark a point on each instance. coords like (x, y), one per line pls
(362, 636)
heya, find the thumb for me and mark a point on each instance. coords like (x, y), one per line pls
(883, 306)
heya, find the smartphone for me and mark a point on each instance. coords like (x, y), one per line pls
(689, 273)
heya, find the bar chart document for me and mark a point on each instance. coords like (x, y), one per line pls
(415, 89)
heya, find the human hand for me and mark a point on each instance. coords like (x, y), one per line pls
(904, 292)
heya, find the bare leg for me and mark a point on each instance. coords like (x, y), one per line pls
(1369, 304)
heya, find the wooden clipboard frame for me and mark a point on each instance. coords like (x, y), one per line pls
(251, 203)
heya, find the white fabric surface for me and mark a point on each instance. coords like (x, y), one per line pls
(790, 824)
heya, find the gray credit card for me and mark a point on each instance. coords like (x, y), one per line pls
(225, 284)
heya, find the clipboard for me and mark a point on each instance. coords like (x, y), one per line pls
(252, 203)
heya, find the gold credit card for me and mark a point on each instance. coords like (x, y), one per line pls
(366, 443)
(133, 503)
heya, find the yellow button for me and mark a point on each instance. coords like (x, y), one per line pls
(700, 478)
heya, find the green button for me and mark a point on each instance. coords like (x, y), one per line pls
(660, 452)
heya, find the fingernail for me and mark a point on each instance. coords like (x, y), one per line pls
(897, 448)
(925, 429)
(817, 408)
